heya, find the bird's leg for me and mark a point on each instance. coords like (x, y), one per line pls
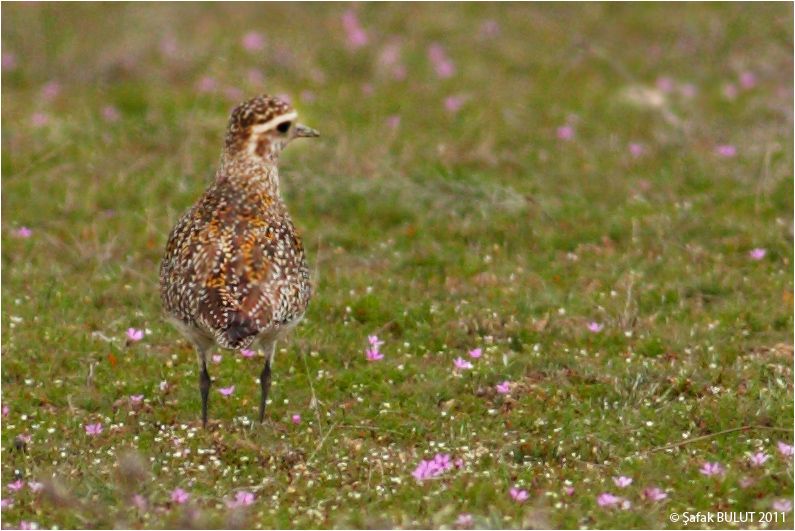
(265, 379)
(204, 387)
(204, 383)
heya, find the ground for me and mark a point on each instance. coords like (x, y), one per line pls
(599, 197)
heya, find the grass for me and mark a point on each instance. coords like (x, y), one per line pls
(453, 230)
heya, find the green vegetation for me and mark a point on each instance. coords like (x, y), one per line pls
(580, 197)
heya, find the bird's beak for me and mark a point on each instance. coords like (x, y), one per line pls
(303, 131)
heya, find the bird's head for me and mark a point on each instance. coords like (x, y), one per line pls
(262, 126)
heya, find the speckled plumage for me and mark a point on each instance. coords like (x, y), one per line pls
(234, 271)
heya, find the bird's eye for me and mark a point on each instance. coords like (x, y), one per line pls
(283, 127)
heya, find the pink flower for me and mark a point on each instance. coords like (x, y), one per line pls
(357, 38)
(136, 399)
(445, 69)
(399, 72)
(372, 354)
(133, 334)
(9, 61)
(6, 411)
(226, 391)
(568, 490)
(595, 327)
(636, 149)
(654, 494)
(565, 132)
(233, 94)
(6, 502)
(608, 500)
(711, 469)
(93, 429)
(747, 80)
(490, 29)
(207, 84)
(354, 32)
(518, 495)
(726, 150)
(163, 385)
(475, 353)
(461, 364)
(453, 104)
(746, 482)
(443, 462)
(139, 502)
(179, 496)
(688, 90)
(35, 486)
(757, 254)
(217, 358)
(24, 524)
(665, 84)
(784, 449)
(374, 341)
(110, 113)
(464, 520)
(50, 90)
(393, 122)
(432, 468)
(503, 388)
(253, 41)
(39, 119)
(168, 46)
(24, 437)
(16, 486)
(247, 353)
(390, 55)
(443, 65)
(782, 505)
(255, 77)
(730, 91)
(758, 459)
(436, 52)
(296, 418)
(23, 232)
(622, 481)
(242, 499)
(423, 471)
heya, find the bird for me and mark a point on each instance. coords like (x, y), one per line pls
(234, 272)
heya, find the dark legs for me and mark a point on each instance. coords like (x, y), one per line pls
(204, 387)
(204, 377)
(265, 380)
(205, 382)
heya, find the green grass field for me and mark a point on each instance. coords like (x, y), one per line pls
(600, 197)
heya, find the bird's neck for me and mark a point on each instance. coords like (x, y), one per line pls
(250, 173)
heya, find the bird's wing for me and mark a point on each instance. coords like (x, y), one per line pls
(233, 261)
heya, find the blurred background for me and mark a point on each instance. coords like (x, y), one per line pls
(414, 96)
(599, 195)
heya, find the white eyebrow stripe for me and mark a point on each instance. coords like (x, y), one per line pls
(261, 128)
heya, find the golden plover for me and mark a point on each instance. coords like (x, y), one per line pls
(234, 272)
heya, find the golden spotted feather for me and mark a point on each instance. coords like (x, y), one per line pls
(234, 267)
